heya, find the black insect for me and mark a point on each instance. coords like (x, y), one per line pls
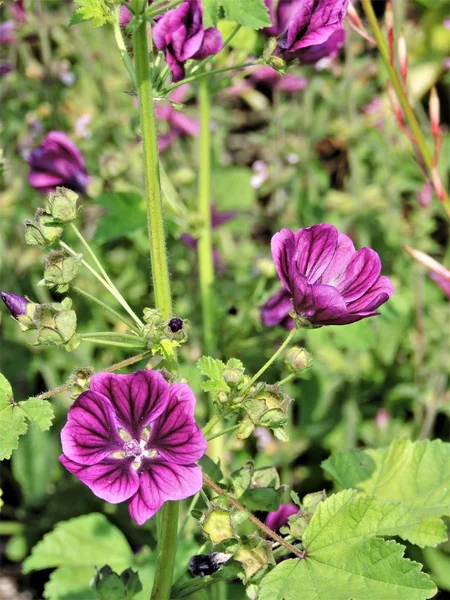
(207, 564)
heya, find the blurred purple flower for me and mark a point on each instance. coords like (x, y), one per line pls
(260, 174)
(281, 15)
(375, 109)
(17, 305)
(5, 68)
(282, 83)
(425, 196)
(446, 23)
(382, 419)
(310, 29)
(278, 518)
(180, 33)
(179, 123)
(125, 14)
(7, 32)
(57, 162)
(330, 283)
(442, 282)
(134, 437)
(17, 10)
(276, 310)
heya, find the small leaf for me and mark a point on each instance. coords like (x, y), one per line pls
(6, 392)
(12, 420)
(96, 11)
(39, 412)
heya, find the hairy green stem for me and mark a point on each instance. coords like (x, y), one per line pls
(287, 379)
(113, 334)
(402, 96)
(111, 343)
(213, 436)
(115, 314)
(158, 254)
(165, 561)
(270, 361)
(205, 255)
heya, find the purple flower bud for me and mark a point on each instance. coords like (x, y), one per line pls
(7, 35)
(425, 196)
(312, 29)
(17, 305)
(278, 518)
(176, 324)
(442, 282)
(329, 282)
(134, 438)
(57, 162)
(180, 33)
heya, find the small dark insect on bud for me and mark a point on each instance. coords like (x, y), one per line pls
(176, 324)
(207, 564)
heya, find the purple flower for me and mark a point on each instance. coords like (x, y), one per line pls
(281, 16)
(425, 196)
(313, 30)
(18, 12)
(442, 282)
(180, 33)
(282, 83)
(17, 305)
(7, 30)
(276, 310)
(330, 283)
(134, 437)
(277, 519)
(5, 68)
(57, 162)
(179, 123)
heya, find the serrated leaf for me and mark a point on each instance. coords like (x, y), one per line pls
(249, 13)
(213, 369)
(39, 412)
(415, 473)
(12, 425)
(86, 541)
(96, 11)
(345, 561)
(6, 392)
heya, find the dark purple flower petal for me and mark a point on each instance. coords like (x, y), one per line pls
(57, 162)
(17, 305)
(175, 434)
(137, 399)
(91, 432)
(442, 282)
(218, 218)
(5, 68)
(328, 49)
(112, 480)
(329, 282)
(161, 481)
(211, 44)
(7, 32)
(279, 518)
(276, 310)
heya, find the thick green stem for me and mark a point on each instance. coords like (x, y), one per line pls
(403, 98)
(205, 255)
(161, 282)
(158, 254)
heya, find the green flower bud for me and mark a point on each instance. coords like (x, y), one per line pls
(218, 525)
(33, 234)
(56, 324)
(269, 48)
(62, 205)
(42, 230)
(112, 165)
(266, 267)
(60, 269)
(233, 375)
(277, 63)
(298, 359)
(152, 316)
(79, 381)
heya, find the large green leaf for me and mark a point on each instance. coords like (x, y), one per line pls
(250, 13)
(346, 561)
(124, 213)
(415, 473)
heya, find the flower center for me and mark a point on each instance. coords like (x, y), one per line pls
(135, 448)
(132, 448)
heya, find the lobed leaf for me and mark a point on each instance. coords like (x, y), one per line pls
(249, 13)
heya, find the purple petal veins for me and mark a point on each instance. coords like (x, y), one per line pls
(134, 437)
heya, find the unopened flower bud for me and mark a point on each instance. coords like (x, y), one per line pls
(382, 419)
(62, 205)
(298, 359)
(79, 381)
(175, 324)
(42, 230)
(233, 375)
(277, 63)
(269, 48)
(176, 329)
(403, 56)
(435, 112)
(60, 269)
(20, 308)
(152, 316)
(57, 323)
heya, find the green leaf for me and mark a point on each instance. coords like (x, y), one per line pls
(12, 420)
(33, 464)
(71, 583)
(346, 561)
(85, 541)
(96, 11)
(39, 412)
(250, 13)
(124, 213)
(213, 369)
(415, 473)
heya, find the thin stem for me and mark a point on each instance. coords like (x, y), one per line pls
(111, 290)
(287, 379)
(216, 488)
(206, 60)
(270, 361)
(222, 432)
(112, 334)
(188, 513)
(158, 254)
(210, 425)
(117, 315)
(402, 97)
(115, 367)
(111, 343)
(122, 47)
(208, 73)
(205, 255)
